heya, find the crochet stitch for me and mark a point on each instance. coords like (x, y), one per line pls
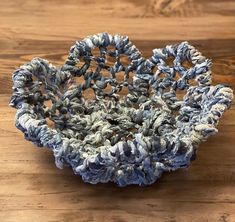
(127, 139)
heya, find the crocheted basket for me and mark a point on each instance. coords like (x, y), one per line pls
(130, 138)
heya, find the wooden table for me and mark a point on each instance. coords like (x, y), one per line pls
(33, 189)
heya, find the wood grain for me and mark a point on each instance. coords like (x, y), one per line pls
(33, 189)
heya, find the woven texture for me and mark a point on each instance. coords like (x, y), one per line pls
(137, 125)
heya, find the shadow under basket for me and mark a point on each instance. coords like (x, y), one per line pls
(113, 115)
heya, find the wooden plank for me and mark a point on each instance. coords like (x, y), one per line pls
(24, 34)
(33, 189)
(222, 53)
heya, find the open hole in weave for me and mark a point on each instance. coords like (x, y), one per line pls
(124, 60)
(160, 75)
(105, 73)
(110, 60)
(120, 77)
(108, 89)
(36, 85)
(123, 92)
(154, 70)
(33, 79)
(150, 92)
(81, 63)
(111, 48)
(50, 123)
(78, 80)
(88, 94)
(48, 104)
(170, 61)
(192, 82)
(130, 78)
(187, 64)
(180, 94)
(57, 112)
(92, 66)
(95, 52)
(177, 76)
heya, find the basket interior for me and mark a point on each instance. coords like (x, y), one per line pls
(106, 97)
